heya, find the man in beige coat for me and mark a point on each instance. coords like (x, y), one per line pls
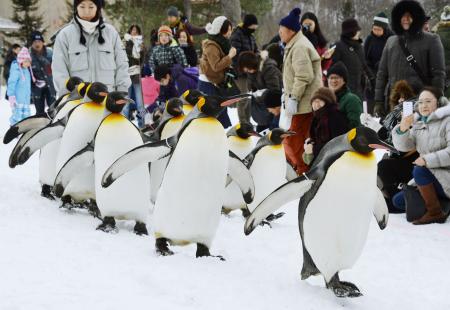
(302, 76)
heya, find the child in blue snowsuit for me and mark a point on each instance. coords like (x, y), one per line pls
(19, 87)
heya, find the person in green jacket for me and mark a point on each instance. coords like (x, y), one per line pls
(443, 31)
(349, 103)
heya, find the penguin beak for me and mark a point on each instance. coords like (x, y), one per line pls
(178, 110)
(383, 146)
(255, 134)
(288, 134)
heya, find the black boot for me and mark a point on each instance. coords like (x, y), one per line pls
(162, 247)
(108, 225)
(343, 289)
(203, 251)
(140, 229)
(46, 192)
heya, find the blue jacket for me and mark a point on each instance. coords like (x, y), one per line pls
(19, 83)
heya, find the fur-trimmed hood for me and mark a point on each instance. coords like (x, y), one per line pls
(418, 16)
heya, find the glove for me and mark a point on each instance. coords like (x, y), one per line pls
(379, 110)
(291, 106)
(12, 101)
(370, 122)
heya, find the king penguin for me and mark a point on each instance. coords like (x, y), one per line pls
(189, 202)
(338, 196)
(190, 98)
(241, 141)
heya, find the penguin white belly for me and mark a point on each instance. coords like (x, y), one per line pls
(233, 196)
(189, 202)
(337, 219)
(47, 162)
(269, 172)
(157, 168)
(82, 186)
(128, 197)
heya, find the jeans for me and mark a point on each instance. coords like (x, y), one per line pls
(210, 89)
(135, 92)
(422, 176)
(41, 96)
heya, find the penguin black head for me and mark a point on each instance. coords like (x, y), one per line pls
(174, 107)
(191, 96)
(243, 131)
(72, 83)
(277, 135)
(82, 87)
(116, 101)
(364, 140)
(97, 92)
(214, 105)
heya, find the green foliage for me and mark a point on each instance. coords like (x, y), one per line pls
(25, 14)
(257, 7)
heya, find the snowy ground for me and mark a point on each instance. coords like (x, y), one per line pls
(51, 259)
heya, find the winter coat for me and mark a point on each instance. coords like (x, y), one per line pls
(7, 66)
(191, 55)
(41, 65)
(106, 63)
(373, 49)
(350, 105)
(19, 83)
(167, 55)
(351, 53)
(129, 44)
(214, 62)
(443, 31)
(302, 74)
(183, 80)
(267, 77)
(431, 138)
(242, 42)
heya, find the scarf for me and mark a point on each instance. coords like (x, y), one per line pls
(88, 27)
(224, 43)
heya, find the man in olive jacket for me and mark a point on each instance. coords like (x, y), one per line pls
(407, 18)
(302, 76)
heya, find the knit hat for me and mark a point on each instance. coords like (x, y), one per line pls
(173, 11)
(350, 27)
(445, 17)
(98, 3)
(23, 55)
(340, 69)
(272, 98)
(214, 27)
(36, 36)
(292, 21)
(98, 16)
(249, 20)
(165, 29)
(326, 95)
(381, 20)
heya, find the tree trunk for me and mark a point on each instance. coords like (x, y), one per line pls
(232, 10)
(187, 9)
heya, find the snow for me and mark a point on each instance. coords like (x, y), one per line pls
(53, 259)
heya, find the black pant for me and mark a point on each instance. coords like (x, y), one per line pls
(41, 96)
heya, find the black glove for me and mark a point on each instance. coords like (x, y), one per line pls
(379, 109)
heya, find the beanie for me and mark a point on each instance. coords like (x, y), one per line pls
(165, 29)
(214, 27)
(445, 17)
(272, 98)
(340, 69)
(23, 55)
(292, 21)
(350, 27)
(249, 20)
(173, 11)
(381, 20)
(326, 95)
(36, 36)
(98, 3)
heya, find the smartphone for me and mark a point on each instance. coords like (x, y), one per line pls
(408, 108)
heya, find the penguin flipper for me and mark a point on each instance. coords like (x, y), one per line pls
(25, 125)
(290, 172)
(16, 150)
(41, 138)
(77, 163)
(279, 197)
(142, 154)
(238, 172)
(380, 210)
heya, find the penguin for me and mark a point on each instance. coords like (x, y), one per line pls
(338, 196)
(79, 131)
(190, 98)
(189, 202)
(128, 197)
(241, 142)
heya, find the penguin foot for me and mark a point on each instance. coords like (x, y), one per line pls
(203, 251)
(225, 211)
(108, 225)
(264, 222)
(66, 203)
(272, 217)
(140, 229)
(93, 209)
(343, 289)
(46, 192)
(245, 212)
(162, 247)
